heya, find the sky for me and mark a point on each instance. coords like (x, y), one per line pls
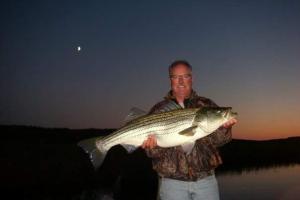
(245, 54)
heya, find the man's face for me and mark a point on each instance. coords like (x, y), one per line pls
(181, 81)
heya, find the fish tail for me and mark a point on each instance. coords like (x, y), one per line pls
(94, 147)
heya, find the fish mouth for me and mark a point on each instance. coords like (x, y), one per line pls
(230, 114)
(227, 112)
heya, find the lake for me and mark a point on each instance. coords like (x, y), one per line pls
(40, 163)
(273, 183)
(282, 183)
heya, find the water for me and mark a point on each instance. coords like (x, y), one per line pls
(282, 183)
(47, 164)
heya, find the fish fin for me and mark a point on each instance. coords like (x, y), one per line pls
(204, 128)
(134, 113)
(129, 148)
(92, 147)
(189, 131)
(171, 105)
(188, 147)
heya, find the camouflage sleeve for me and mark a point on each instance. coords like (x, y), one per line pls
(156, 152)
(222, 135)
(157, 107)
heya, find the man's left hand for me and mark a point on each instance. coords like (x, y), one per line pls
(230, 123)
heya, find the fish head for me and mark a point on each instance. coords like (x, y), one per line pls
(211, 118)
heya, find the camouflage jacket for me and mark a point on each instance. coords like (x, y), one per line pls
(174, 163)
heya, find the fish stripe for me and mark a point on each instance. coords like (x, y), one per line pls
(167, 122)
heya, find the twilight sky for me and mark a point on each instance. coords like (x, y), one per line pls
(245, 54)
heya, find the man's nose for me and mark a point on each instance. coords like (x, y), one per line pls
(180, 79)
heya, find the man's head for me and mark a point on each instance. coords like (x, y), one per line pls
(180, 73)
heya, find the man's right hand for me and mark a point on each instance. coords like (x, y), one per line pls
(150, 142)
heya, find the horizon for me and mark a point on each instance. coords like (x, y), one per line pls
(83, 65)
(112, 129)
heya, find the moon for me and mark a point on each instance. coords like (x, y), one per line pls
(79, 48)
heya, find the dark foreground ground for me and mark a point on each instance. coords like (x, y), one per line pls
(40, 163)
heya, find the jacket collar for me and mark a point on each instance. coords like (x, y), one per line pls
(170, 96)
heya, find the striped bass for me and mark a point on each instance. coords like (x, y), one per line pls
(171, 128)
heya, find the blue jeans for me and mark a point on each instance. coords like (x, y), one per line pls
(203, 189)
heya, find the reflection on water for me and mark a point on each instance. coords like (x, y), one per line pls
(273, 183)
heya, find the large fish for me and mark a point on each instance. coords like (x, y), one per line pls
(171, 128)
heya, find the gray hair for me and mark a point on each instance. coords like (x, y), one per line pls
(180, 62)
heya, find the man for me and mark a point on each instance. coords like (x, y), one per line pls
(185, 176)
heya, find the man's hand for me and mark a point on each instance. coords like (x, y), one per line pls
(230, 123)
(150, 142)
